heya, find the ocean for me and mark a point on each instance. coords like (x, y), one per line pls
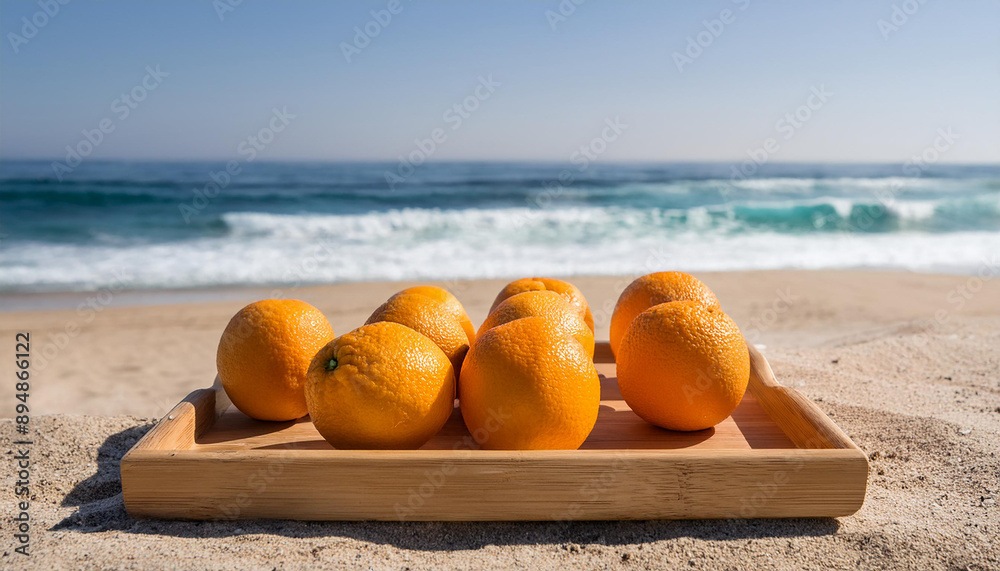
(191, 224)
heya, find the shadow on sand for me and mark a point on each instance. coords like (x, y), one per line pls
(99, 504)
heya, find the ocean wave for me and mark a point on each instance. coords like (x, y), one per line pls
(275, 223)
(287, 264)
(822, 214)
(556, 222)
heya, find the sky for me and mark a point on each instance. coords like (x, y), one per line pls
(717, 80)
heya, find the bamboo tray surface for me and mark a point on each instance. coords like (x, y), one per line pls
(777, 455)
(617, 427)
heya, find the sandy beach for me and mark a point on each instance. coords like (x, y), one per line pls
(830, 170)
(907, 364)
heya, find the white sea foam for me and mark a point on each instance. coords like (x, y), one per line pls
(915, 210)
(434, 244)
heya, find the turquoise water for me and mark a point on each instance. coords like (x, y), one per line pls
(167, 225)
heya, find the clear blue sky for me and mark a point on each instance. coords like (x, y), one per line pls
(940, 69)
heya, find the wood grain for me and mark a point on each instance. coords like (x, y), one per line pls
(778, 455)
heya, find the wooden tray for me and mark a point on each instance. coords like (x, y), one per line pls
(778, 455)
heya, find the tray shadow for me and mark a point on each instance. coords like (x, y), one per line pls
(98, 499)
(100, 508)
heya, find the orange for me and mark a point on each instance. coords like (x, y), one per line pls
(382, 385)
(547, 304)
(683, 365)
(449, 303)
(264, 354)
(654, 289)
(573, 295)
(527, 386)
(426, 316)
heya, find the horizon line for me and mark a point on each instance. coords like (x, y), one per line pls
(501, 161)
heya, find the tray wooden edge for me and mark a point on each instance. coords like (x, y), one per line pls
(823, 446)
(387, 487)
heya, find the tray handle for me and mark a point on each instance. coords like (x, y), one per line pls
(179, 429)
(805, 424)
